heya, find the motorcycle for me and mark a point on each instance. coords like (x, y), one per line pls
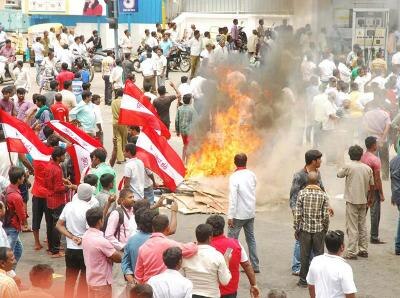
(179, 57)
(5, 73)
(85, 61)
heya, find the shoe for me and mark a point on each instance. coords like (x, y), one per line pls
(349, 257)
(302, 284)
(295, 273)
(377, 241)
(363, 254)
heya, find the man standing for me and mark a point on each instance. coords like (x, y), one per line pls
(163, 103)
(195, 50)
(161, 67)
(38, 49)
(22, 105)
(126, 42)
(57, 187)
(134, 173)
(149, 262)
(84, 113)
(127, 66)
(239, 258)
(359, 180)
(100, 166)
(107, 65)
(311, 221)
(16, 212)
(171, 283)
(235, 31)
(395, 184)
(242, 206)
(68, 97)
(119, 131)
(329, 274)
(21, 76)
(72, 224)
(370, 159)
(149, 71)
(99, 255)
(64, 75)
(208, 268)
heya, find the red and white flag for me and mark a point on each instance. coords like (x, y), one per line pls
(160, 157)
(21, 138)
(137, 110)
(80, 159)
(75, 135)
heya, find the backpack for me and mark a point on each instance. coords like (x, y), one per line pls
(8, 213)
(121, 212)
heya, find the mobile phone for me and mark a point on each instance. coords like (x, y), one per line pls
(228, 252)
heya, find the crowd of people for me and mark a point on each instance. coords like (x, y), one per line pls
(349, 98)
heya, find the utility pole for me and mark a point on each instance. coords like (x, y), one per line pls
(116, 47)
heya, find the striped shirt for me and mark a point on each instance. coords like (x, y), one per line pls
(8, 287)
(311, 213)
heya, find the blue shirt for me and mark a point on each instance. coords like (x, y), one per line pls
(131, 252)
(84, 112)
(77, 89)
(166, 47)
(85, 76)
(395, 179)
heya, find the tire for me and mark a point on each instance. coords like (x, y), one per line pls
(185, 65)
(136, 66)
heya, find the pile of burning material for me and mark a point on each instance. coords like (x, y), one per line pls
(195, 197)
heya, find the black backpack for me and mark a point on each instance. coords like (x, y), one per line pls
(121, 212)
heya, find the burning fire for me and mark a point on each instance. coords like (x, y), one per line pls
(233, 133)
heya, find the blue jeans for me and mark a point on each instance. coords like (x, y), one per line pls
(15, 243)
(149, 194)
(248, 226)
(397, 243)
(37, 66)
(296, 257)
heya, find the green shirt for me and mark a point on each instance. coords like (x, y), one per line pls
(184, 119)
(354, 73)
(102, 169)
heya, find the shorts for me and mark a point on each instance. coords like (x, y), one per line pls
(185, 139)
(74, 259)
(38, 209)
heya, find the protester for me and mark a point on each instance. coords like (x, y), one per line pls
(359, 181)
(107, 65)
(134, 172)
(84, 113)
(163, 103)
(59, 110)
(119, 131)
(41, 277)
(68, 97)
(101, 167)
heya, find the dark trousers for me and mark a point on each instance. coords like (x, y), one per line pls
(75, 265)
(107, 90)
(53, 236)
(234, 295)
(152, 81)
(38, 209)
(308, 242)
(375, 215)
(167, 71)
(199, 296)
(383, 153)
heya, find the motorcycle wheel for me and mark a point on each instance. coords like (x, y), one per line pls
(185, 65)
(136, 66)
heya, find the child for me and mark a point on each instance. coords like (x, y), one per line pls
(185, 118)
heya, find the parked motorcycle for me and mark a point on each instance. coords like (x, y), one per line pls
(86, 62)
(179, 57)
(5, 72)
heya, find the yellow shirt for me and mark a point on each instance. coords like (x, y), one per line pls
(8, 287)
(355, 108)
(115, 108)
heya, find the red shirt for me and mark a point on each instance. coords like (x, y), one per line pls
(55, 186)
(39, 188)
(222, 243)
(60, 111)
(15, 204)
(64, 75)
(97, 11)
(373, 162)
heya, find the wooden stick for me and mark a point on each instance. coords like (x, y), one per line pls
(206, 195)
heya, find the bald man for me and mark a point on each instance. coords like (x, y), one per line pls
(311, 222)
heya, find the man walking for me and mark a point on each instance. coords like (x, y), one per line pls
(195, 50)
(370, 159)
(359, 180)
(242, 206)
(329, 274)
(107, 65)
(120, 132)
(395, 184)
(311, 221)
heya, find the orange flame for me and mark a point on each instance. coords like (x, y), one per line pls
(233, 133)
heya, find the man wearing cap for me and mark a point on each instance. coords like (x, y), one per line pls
(72, 224)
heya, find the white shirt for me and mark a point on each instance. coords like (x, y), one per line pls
(195, 46)
(64, 39)
(38, 49)
(134, 169)
(242, 195)
(68, 99)
(341, 96)
(152, 42)
(3, 36)
(308, 69)
(362, 80)
(161, 63)
(220, 54)
(76, 50)
(97, 112)
(207, 269)
(396, 58)
(196, 86)
(148, 66)
(126, 44)
(5, 164)
(326, 68)
(170, 284)
(345, 72)
(65, 56)
(151, 96)
(21, 78)
(381, 81)
(332, 277)
(50, 64)
(322, 109)
(74, 215)
(185, 89)
(116, 77)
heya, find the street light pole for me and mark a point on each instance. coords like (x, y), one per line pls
(116, 14)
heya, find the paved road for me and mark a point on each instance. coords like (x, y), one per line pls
(378, 276)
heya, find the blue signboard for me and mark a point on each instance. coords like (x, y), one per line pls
(127, 6)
